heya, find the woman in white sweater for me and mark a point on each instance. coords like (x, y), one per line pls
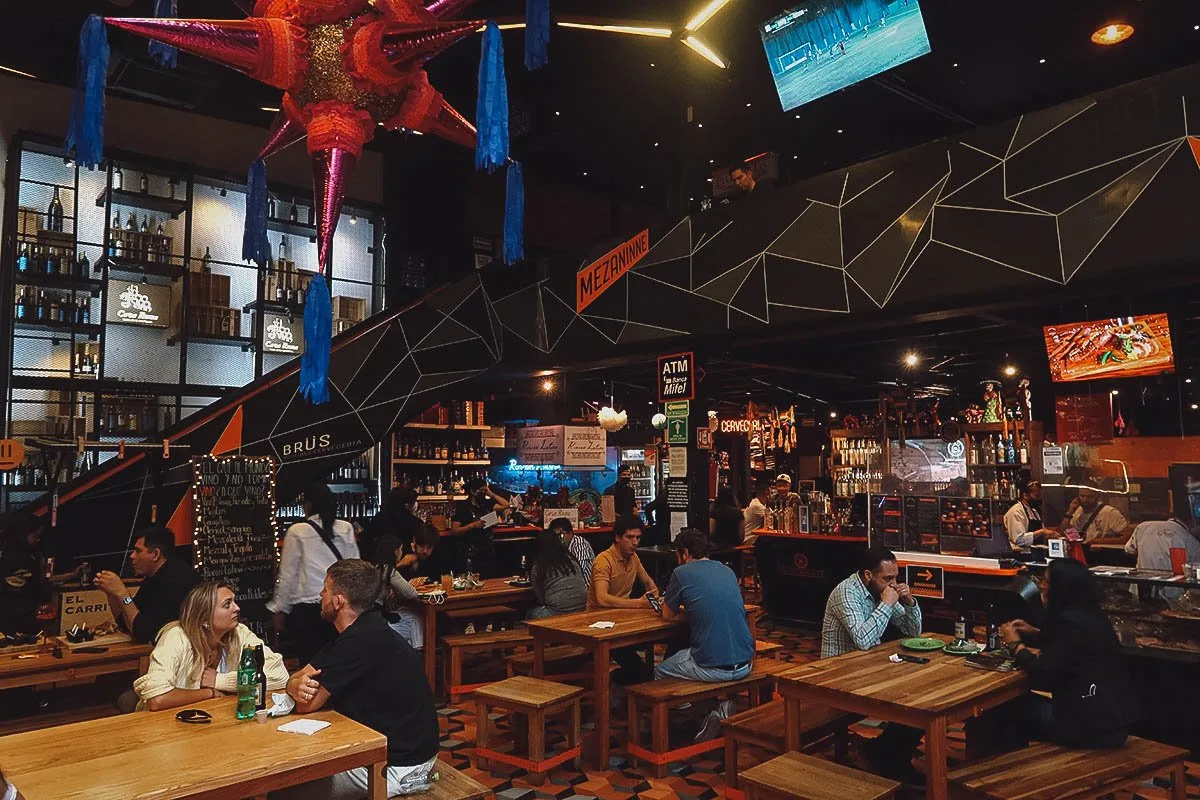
(197, 658)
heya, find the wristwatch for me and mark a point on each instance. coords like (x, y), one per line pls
(127, 600)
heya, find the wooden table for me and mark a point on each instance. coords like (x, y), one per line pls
(152, 755)
(45, 668)
(927, 696)
(494, 592)
(634, 626)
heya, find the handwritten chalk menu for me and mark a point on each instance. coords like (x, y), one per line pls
(584, 446)
(235, 533)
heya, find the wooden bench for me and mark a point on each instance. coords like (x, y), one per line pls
(1045, 771)
(764, 727)
(522, 663)
(480, 616)
(535, 699)
(662, 695)
(773, 649)
(460, 644)
(795, 775)
(453, 785)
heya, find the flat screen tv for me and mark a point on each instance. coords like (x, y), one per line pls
(928, 460)
(818, 47)
(1124, 347)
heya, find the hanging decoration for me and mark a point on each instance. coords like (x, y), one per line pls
(166, 55)
(537, 33)
(346, 67)
(612, 420)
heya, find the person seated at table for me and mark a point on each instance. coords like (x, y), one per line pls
(372, 676)
(197, 657)
(557, 578)
(1094, 519)
(721, 645)
(166, 581)
(615, 573)
(726, 525)
(413, 560)
(576, 546)
(400, 585)
(392, 528)
(859, 610)
(1080, 663)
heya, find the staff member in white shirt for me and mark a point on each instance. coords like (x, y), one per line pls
(756, 513)
(1023, 521)
(1092, 518)
(309, 549)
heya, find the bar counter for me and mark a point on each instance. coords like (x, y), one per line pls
(799, 570)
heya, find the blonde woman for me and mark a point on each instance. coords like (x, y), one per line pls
(197, 658)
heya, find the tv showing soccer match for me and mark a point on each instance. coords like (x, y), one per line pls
(825, 45)
(1123, 347)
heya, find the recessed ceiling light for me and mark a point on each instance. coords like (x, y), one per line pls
(911, 359)
(839, 130)
(558, 113)
(1010, 370)
(643, 186)
(1194, 406)
(955, 64)
(691, 199)
(711, 160)
(708, 179)
(1115, 391)
(794, 158)
(1041, 61)
(1187, 380)
(1112, 33)
(656, 144)
(699, 124)
(585, 174)
(747, 105)
(1196, 27)
(833, 415)
(797, 116)
(652, 63)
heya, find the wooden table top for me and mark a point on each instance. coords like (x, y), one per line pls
(494, 590)
(152, 755)
(11, 665)
(939, 687)
(630, 623)
(797, 775)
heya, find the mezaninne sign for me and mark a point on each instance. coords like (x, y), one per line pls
(597, 277)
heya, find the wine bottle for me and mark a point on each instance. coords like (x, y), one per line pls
(283, 251)
(131, 222)
(270, 207)
(144, 184)
(205, 266)
(260, 678)
(54, 214)
(84, 265)
(294, 215)
(118, 178)
(23, 258)
(145, 224)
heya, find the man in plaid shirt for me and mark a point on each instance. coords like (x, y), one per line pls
(858, 612)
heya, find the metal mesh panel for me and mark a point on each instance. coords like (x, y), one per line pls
(219, 364)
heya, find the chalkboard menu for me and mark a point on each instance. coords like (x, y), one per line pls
(886, 520)
(922, 524)
(235, 533)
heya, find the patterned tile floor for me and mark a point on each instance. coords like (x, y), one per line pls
(701, 778)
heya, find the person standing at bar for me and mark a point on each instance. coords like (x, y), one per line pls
(624, 502)
(756, 513)
(1023, 521)
(478, 553)
(859, 610)
(309, 548)
(1092, 518)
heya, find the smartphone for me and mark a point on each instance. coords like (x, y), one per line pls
(655, 603)
(913, 659)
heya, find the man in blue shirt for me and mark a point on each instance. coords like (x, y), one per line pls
(858, 612)
(722, 647)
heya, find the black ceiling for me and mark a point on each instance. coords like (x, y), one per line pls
(600, 106)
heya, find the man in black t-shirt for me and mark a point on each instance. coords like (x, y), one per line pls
(478, 553)
(166, 580)
(371, 675)
(622, 492)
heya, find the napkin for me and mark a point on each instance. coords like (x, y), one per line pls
(281, 704)
(895, 659)
(305, 726)
(603, 624)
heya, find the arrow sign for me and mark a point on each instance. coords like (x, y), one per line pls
(926, 581)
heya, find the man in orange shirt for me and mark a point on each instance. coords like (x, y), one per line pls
(615, 573)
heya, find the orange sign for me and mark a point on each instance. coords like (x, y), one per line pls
(12, 453)
(595, 279)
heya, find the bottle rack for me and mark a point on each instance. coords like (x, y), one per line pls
(448, 437)
(63, 258)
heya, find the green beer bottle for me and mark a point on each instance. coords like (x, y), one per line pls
(247, 687)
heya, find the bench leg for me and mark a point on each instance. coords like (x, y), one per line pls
(841, 742)
(660, 735)
(537, 743)
(1179, 782)
(454, 666)
(574, 729)
(481, 731)
(634, 730)
(731, 761)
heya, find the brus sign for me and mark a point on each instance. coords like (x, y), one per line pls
(676, 377)
(596, 278)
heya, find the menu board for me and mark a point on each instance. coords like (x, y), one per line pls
(584, 446)
(540, 445)
(1083, 418)
(562, 445)
(886, 521)
(922, 524)
(235, 535)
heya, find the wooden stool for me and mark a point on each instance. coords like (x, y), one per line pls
(522, 663)
(481, 616)
(763, 727)
(535, 699)
(459, 644)
(761, 649)
(1050, 770)
(453, 785)
(794, 775)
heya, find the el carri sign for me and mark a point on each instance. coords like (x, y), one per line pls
(676, 377)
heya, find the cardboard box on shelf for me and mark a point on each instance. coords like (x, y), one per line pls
(349, 308)
(28, 221)
(208, 289)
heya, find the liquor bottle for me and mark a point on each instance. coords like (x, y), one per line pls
(131, 222)
(312, 215)
(247, 700)
(84, 265)
(114, 244)
(1024, 453)
(171, 187)
(52, 308)
(1000, 452)
(144, 184)
(960, 627)
(993, 631)
(145, 223)
(270, 207)
(20, 307)
(118, 179)
(42, 310)
(54, 214)
(283, 251)
(205, 266)
(51, 263)
(1010, 451)
(294, 215)
(23, 258)
(260, 678)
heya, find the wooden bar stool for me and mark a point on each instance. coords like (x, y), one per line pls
(794, 775)
(535, 699)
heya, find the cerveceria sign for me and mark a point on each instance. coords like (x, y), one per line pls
(595, 279)
(676, 377)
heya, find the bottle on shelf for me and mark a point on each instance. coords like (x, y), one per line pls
(205, 260)
(1023, 453)
(271, 206)
(145, 224)
(294, 214)
(54, 214)
(118, 178)
(171, 184)
(131, 222)
(144, 184)
(83, 265)
(23, 258)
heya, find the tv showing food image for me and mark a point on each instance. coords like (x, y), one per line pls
(1124, 347)
(821, 46)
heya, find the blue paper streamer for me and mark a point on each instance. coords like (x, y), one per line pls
(255, 245)
(491, 109)
(318, 328)
(514, 214)
(537, 33)
(165, 54)
(85, 130)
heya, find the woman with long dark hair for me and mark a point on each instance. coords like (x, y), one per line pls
(557, 577)
(726, 525)
(1080, 663)
(309, 548)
